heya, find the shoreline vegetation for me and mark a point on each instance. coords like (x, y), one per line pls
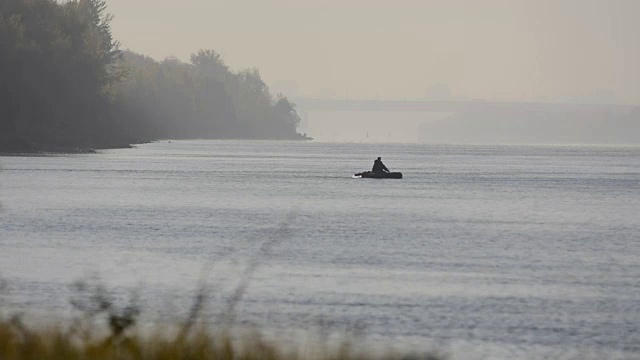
(103, 328)
(67, 87)
(96, 339)
(81, 341)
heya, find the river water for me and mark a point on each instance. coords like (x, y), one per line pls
(486, 252)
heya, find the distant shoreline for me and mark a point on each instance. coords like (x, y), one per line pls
(29, 149)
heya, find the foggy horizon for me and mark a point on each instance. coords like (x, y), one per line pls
(538, 51)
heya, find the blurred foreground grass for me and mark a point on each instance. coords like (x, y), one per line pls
(105, 330)
(17, 342)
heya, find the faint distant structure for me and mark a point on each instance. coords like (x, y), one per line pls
(597, 96)
(327, 93)
(439, 92)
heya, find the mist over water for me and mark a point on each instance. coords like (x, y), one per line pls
(491, 251)
(520, 125)
(368, 126)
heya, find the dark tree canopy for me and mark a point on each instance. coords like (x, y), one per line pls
(65, 84)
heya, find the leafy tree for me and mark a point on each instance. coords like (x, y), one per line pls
(286, 111)
(65, 84)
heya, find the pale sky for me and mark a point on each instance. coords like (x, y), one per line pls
(492, 49)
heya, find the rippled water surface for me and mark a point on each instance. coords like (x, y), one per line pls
(487, 251)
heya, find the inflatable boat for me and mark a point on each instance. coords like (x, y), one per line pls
(382, 175)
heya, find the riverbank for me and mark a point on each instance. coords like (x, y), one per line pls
(105, 327)
(15, 146)
(20, 145)
(79, 341)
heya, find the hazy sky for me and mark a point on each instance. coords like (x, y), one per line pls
(503, 49)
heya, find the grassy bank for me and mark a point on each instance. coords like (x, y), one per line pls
(104, 328)
(19, 342)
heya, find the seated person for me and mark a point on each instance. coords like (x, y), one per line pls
(378, 166)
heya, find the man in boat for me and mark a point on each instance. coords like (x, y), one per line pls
(378, 166)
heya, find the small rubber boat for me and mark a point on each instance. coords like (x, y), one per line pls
(382, 175)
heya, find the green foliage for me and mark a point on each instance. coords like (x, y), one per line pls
(57, 68)
(65, 84)
(209, 100)
(208, 64)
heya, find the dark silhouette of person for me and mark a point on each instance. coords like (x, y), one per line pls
(378, 166)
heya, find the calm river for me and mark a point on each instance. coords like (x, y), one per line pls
(486, 252)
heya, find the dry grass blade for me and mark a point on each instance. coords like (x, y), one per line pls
(228, 316)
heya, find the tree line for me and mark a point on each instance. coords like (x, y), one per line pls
(65, 84)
